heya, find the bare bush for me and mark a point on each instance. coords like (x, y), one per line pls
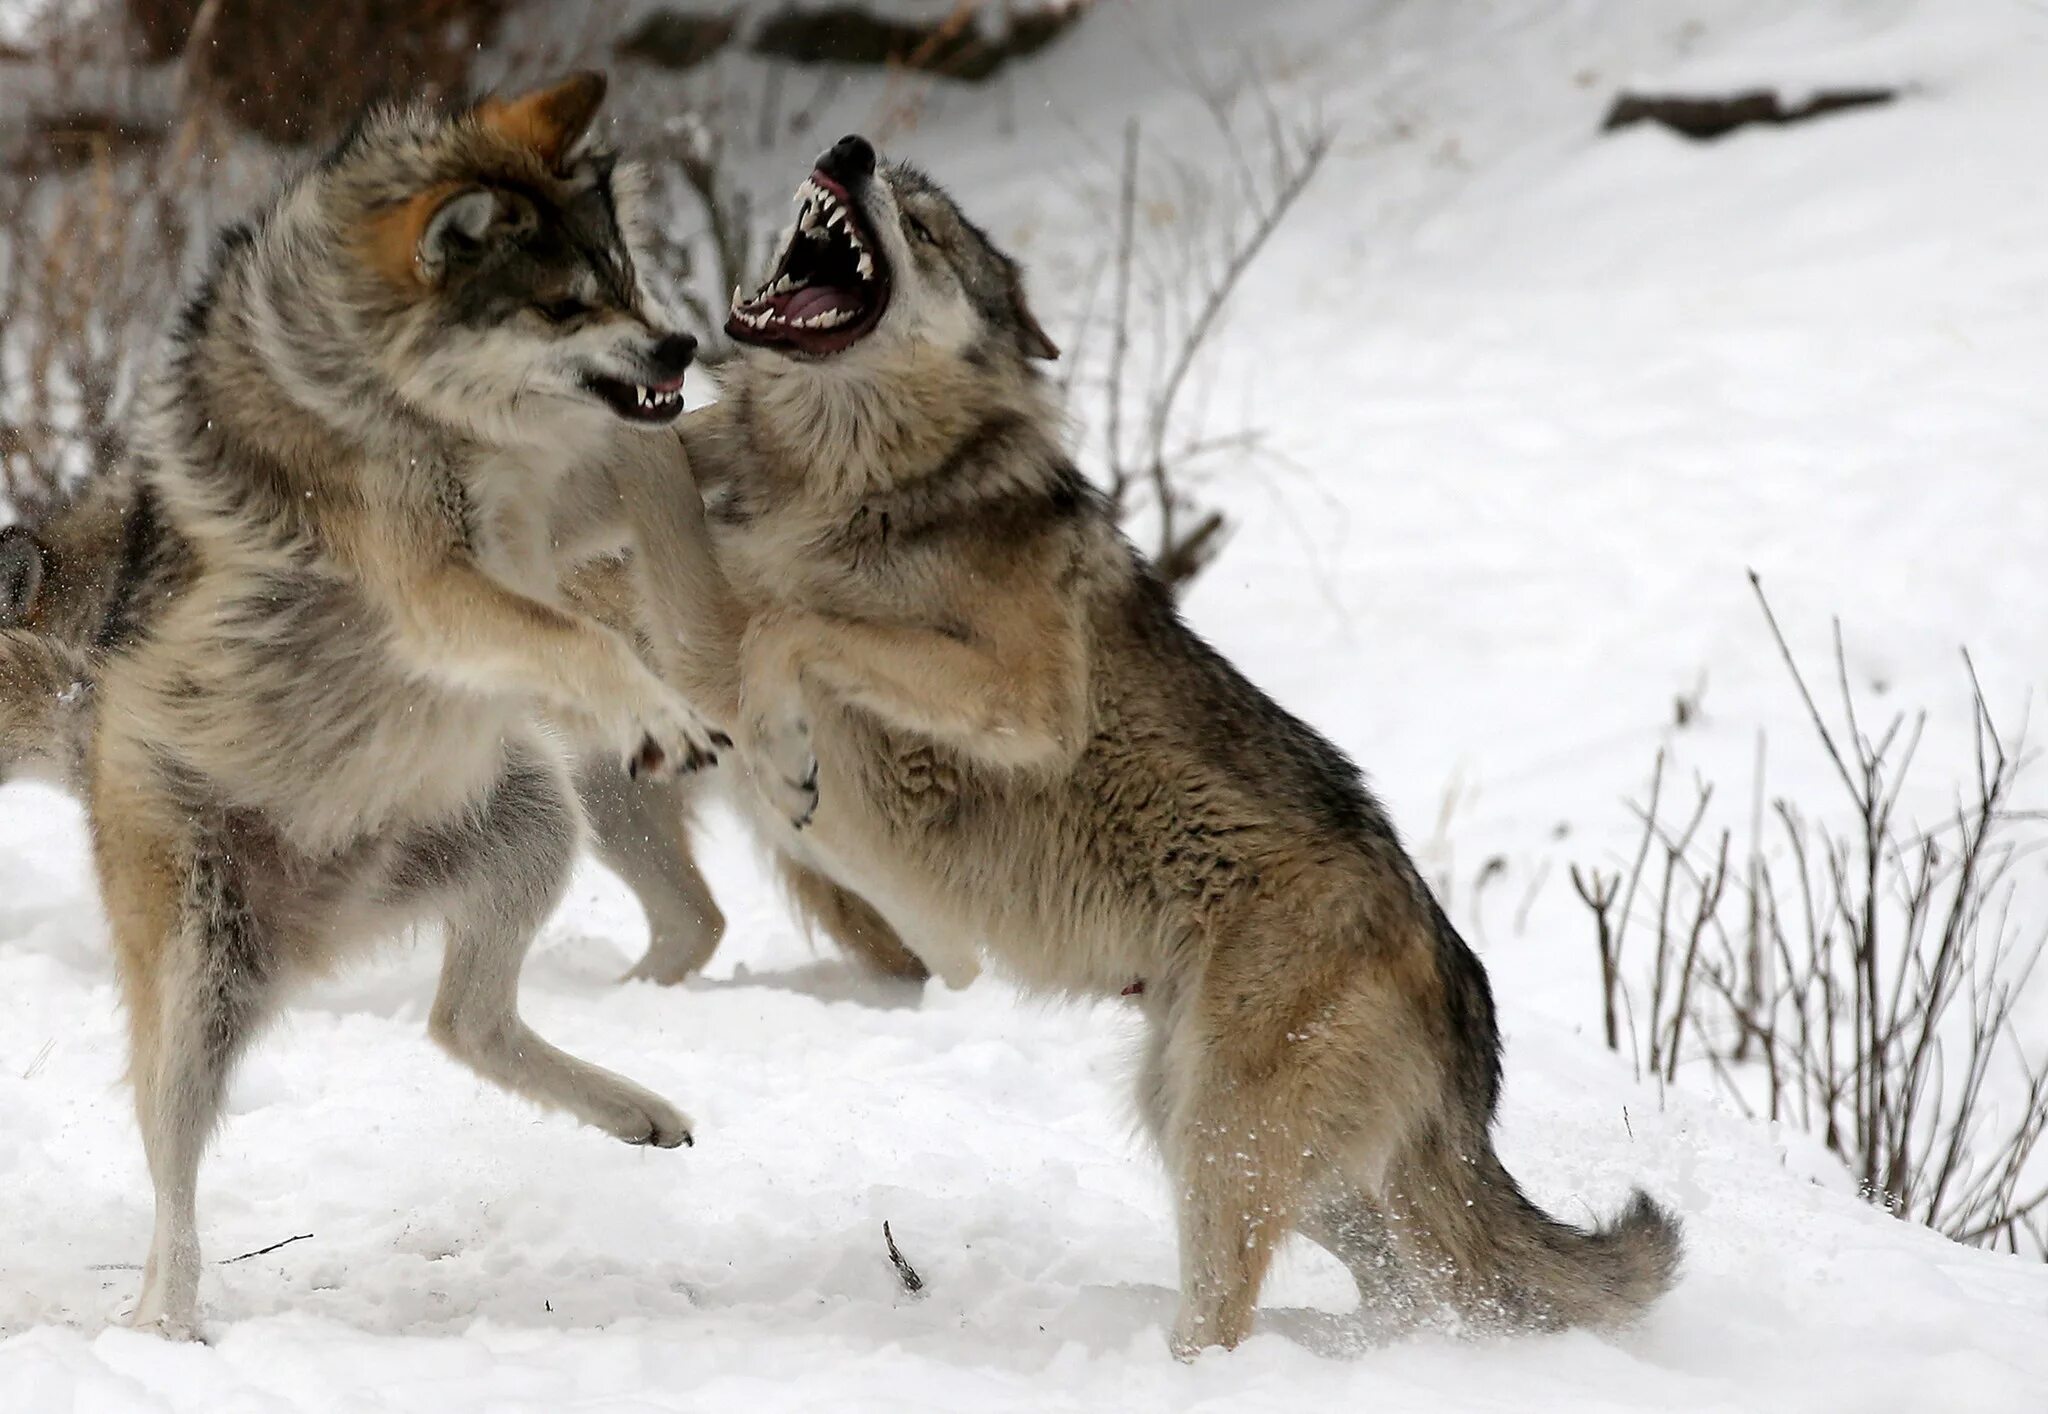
(103, 202)
(1183, 241)
(1857, 981)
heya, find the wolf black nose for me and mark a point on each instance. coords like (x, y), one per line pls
(852, 158)
(672, 355)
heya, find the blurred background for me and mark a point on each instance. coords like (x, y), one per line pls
(131, 127)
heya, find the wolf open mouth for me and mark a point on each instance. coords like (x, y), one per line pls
(639, 402)
(828, 290)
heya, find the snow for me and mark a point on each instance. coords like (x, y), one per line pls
(1539, 398)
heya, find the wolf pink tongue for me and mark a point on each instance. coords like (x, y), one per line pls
(814, 300)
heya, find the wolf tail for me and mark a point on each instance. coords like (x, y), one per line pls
(1505, 1262)
(45, 710)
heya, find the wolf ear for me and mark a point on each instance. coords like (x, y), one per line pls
(21, 574)
(549, 120)
(416, 241)
(456, 227)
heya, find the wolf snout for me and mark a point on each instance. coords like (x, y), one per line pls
(668, 359)
(851, 159)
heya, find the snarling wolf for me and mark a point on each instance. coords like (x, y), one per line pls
(78, 584)
(961, 694)
(395, 412)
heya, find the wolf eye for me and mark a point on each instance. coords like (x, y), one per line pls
(561, 311)
(920, 230)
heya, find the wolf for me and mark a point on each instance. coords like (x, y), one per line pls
(961, 694)
(391, 416)
(55, 597)
(69, 593)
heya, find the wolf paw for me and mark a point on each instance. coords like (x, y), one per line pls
(798, 796)
(639, 1116)
(785, 769)
(186, 1332)
(665, 736)
(662, 967)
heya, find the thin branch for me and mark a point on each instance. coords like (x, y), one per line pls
(907, 1274)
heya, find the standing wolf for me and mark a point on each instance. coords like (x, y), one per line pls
(962, 695)
(379, 435)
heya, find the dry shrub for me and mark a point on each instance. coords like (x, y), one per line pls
(91, 262)
(1182, 242)
(1858, 980)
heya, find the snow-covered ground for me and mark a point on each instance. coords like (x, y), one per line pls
(1540, 398)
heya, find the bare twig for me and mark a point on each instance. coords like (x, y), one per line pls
(221, 1262)
(1183, 241)
(907, 1274)
(266, 1251)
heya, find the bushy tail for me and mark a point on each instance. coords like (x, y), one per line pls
(45, 710)
(1504, 1261)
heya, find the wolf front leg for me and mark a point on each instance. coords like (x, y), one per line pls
(457, 623)
(1011, 691)
(640, 829)
(688, 610)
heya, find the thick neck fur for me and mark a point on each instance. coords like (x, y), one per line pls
(837, 433)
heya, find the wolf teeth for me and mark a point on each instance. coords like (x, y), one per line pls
(821, 213)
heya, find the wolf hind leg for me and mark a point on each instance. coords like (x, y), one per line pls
(197, 991)
(1354, 1228)
(1236, 1160)
(1237, 1141)
(502, 870)
(640, 830)
(1340, 1218)
(850, 921)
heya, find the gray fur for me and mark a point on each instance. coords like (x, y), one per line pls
(330, 662)
(961, 695)
(21, 573)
